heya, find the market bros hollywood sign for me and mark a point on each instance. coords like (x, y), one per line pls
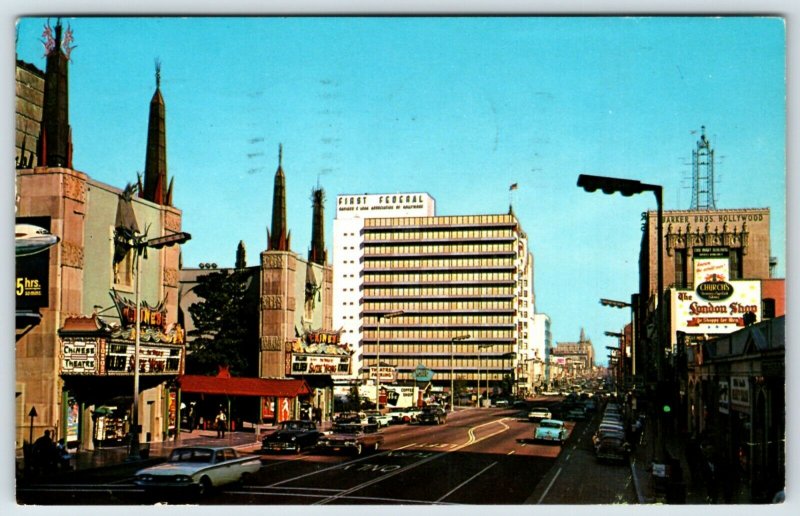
(695, 312)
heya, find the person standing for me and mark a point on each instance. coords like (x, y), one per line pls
(221, 422)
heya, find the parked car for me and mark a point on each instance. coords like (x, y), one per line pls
(199, 469)
(576, 413)
(433, 414)
(501, 403)
(352, 437)
(612, 448)
(381, 419)
(351, 417)
(552, 430)
(293, 435)
(539, 413)
(404, 414)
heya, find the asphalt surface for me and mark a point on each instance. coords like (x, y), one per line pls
(479, 457)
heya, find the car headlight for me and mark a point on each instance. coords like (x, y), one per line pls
(183, 478)
(145, 478)
(294, 438)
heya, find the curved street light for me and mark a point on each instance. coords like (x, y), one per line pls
(387, 316)
(139, 245)
(629, 187)
(452, 359)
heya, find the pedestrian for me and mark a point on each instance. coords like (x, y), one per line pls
(318, 415)
(221, 423)
(62, 455)
(44, 451)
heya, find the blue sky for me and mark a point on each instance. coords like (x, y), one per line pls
(457, 107)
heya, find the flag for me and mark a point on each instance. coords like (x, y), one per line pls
(512, 187)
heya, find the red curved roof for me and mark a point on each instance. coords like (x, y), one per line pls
(284, 388)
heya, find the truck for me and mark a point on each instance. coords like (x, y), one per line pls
(392, 396)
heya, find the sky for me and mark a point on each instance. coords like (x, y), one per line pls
(460, 108)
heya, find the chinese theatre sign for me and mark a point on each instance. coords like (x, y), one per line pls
(89, 346)
(318, 353)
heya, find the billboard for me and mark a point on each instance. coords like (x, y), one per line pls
(32, 272)
(698, 312)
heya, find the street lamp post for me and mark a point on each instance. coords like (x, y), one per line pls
(629, 187)
(481, 347)
(452, 360)
(139, 246)
(388, 316)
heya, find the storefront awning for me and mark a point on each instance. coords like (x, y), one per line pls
(231, 386)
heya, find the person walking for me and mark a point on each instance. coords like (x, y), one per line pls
(221, 422)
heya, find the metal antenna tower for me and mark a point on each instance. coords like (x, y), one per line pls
(703, 174)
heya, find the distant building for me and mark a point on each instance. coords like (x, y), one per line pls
(576, 358)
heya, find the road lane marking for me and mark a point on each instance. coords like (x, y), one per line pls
(368, 483)
(467, 481)
(338, 466)
(549, 486)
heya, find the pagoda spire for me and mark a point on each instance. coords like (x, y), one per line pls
(156, 187)
(318, 254)
(241, 260)
(55, 137)
(279, 238)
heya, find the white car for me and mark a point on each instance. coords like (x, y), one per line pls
(198, 468)
(381, 419)
(539, 413)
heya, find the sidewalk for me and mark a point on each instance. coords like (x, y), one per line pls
(102, 459)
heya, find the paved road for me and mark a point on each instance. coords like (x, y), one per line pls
(478, 457)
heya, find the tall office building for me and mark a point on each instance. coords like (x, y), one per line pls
(351, 212)
(450, 276)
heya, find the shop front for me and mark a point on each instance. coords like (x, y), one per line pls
(316, 356)
(280, 398)
(96, 365)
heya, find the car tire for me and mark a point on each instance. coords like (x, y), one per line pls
(245, 478)
(204, 486)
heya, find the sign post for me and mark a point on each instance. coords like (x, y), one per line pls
(32, 414)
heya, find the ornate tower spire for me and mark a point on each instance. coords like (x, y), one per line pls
(55, 138)
(279, 238)
(156, 187)
(241, 260)
(318, 254)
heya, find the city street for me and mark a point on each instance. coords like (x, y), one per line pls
(480, 456)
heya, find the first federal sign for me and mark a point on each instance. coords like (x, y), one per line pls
(423, 374)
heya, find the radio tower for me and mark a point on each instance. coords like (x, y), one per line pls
(703, 174)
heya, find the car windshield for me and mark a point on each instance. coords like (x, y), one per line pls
(292, 425)
(347, 428)
(539, 409)
(550, 424)
(191, 455)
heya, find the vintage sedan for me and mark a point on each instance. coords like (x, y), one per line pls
(551, 430)
(432, 414)
(352, 437)
(539, 413)
(611, 447)
(293, 435)
(198, 469)
(380, 418)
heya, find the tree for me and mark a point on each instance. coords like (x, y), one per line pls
(225, 325)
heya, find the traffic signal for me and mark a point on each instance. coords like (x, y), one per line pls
(610, 185)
